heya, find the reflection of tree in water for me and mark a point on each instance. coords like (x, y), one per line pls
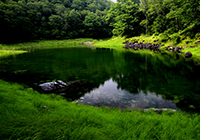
(127, 82)
(174, 80)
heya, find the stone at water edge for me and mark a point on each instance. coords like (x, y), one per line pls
(197, 42)
(188, 54)
(177, 49)
(52, 86)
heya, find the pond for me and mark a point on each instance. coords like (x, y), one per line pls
(115, 79)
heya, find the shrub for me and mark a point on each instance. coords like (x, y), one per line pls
(175, 37)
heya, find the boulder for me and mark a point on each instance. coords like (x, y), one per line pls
(136, 46)
(188, 54)
(59, 86)
(148, 46)
(131, 45)
(171, 48)
(52, 86)
(177, 49)
(125, 42)
(194, 46)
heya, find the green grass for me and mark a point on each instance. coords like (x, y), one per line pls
(113, 43)
(116, 43)
(18, 48)
(4, 53)
(26, 114)
(46, 44)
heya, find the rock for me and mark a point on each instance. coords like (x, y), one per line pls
(177, 49)
(188, 54)
(88, 43)
(171, 48)
(60, 86)
(187, 42)
(140, 46)
(61, 82)
(52, 86)
(125, 42)
(148, 46)
(131, 45)
(136, 46)
(127, 45)
(193, 46)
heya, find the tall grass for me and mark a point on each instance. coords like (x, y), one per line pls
(26, 114)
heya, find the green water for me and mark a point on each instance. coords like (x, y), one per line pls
(116, 79)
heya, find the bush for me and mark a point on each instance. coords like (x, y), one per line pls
(175, 37)
(197, 36)
(163, 37)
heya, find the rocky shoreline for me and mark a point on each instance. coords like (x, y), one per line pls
(154, 47)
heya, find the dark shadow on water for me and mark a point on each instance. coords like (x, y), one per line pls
(115, 79)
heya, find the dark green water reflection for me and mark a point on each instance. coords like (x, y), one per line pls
(115, 79)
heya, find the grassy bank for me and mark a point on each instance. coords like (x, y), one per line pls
(26, 114)
(113, 43)
(45, 44)
(188, 44)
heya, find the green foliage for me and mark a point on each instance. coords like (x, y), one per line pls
(197, 36)
(190, 31)
(57, 19)
(171, 16)
(164, 37)
(92, 25)
(175, 37)
(125, 17)
(61, 19)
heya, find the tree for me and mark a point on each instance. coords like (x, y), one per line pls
(126, 17)
(144, 7)
(92, 25)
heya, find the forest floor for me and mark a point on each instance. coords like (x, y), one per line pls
(27, 114)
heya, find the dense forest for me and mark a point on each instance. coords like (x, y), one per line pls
(23, 20)
(53, 19)
(133, 17)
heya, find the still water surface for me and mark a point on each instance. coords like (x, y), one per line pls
(116, 79)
